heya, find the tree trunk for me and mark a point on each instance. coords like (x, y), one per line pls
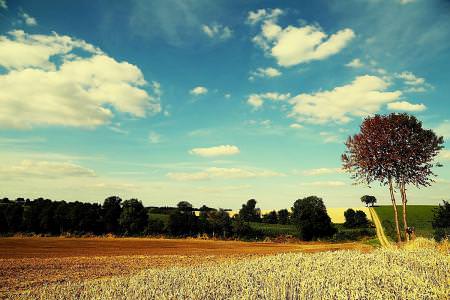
(404, 200)
(397, 227)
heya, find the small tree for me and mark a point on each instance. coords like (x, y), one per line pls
(133, 218)
(441, 221)
(368, 200)
(283, 216)
(249, 212)
(270, 218)
(220, 222)
(111, 212)
(311, 218)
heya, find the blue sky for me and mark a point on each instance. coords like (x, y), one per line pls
(213, 102)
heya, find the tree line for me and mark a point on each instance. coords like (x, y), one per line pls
(131, 218)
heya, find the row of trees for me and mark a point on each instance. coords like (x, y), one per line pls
(130, 217)
(396, 151)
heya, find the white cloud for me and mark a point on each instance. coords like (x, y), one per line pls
(406, 1)
(46, 169)
(217, 31)
(362, 97)
(81, 91)
(322, 171)
(221, 150)
(294, 45)
(257, 100)
(410, 79)
(259, 15)
(154, 138)
(29, 20)
(356, 63)
(199, 90)
(296, 126)
(227, 96)
(443, 129)
(406, 106)
(265, 72)
(328, 137)
(3, 4)
(222, 173)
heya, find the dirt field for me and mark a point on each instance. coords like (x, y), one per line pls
(27, 263)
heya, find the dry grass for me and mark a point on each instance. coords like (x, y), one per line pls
(30, 263)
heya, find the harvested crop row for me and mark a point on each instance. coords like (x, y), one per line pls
(393, 274)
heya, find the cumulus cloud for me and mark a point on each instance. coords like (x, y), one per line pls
(222, 173)
(296, 126)
(356, 63)
(81, 91)
(217, 31)
(265, 72)
(411, 79)
(364, 96)
(406, 106)
(257, 100)
(322, 171)
(45, 169)
(295, 45)
(413, 83)
(222, 150)
(199, 90)
(29, 20)
(3, 4)
(262, 14)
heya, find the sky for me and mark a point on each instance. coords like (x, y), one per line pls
(212, 102)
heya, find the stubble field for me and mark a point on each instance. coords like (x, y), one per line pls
(27, 264)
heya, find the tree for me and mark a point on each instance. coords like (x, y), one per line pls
(311, 218)
(270, 218)
(111, 212)
(183, 221)
(133, 218)
(249, 212)
(368, 200)
(392, 149)
(441, 221)
(283, 216)
(354, 219)
(220, 222)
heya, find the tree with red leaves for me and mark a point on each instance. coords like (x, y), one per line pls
(393, 149)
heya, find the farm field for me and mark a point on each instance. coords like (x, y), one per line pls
(419, 216)
(29, 263)
(409, 273)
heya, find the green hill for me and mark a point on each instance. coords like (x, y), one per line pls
(418, 216)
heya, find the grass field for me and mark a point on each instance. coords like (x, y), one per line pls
(409, 273)
(419, 216)
(29, 263)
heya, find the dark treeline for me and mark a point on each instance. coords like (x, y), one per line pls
(131, 218)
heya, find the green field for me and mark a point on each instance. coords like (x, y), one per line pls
(274, 230)
(418, 216)
(162, 217)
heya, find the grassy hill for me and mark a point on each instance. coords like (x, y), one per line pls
(418, 216)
